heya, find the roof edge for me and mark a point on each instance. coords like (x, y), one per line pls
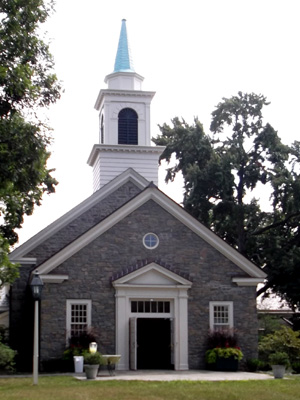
(128, 175)
(152, 193)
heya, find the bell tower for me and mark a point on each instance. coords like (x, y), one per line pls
(124, 123)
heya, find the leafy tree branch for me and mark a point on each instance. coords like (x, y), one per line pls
(228, 174)
(27, 84)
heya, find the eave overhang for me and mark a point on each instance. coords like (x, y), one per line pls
(248, 281)
(51, 278)
(130, 174)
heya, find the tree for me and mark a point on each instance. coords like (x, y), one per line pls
(27, 83)
(223, 172)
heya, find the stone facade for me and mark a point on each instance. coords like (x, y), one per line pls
(92, 269)
(84, 222)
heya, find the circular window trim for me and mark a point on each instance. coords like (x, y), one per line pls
(145, 239)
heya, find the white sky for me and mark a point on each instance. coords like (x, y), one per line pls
(191, 53)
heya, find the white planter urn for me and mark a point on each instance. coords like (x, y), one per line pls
(278, 371)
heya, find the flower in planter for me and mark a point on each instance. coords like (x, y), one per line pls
(212, 355)
(222, 338)
(223, 348)
(78, 345)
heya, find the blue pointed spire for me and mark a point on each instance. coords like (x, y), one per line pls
(123, 62)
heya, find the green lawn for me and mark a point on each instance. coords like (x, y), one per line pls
(68, 388)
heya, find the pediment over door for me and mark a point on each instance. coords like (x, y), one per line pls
(152, 275)
(152, 281)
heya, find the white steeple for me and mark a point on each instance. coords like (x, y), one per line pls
(124, 121)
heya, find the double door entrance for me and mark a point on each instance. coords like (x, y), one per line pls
(154, 347)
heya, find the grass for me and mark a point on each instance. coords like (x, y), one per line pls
(68, 388)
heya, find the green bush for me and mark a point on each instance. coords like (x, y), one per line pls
(279, 358)
(284, 340)
(93, 358)
(221, 352)
(7, 357)
(264, 366)
(252, 364)
(296, 367)
(222, 344)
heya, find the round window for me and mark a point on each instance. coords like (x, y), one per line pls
(150, 240)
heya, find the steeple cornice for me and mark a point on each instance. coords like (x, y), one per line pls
(123, 73)
(121, 93)
(104, 148)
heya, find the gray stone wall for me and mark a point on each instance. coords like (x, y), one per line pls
(84, 222)
(91, 269)
(53, 308)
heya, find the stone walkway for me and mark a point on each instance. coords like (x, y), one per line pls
(154, 375)
(191, 375)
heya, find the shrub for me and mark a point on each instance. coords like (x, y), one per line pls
(93, 358)
(222, 344)
(252, 364)
(279, 358)
(263, 366)
(7, 356)
(284, 340)
(223, 352)
(296, 367)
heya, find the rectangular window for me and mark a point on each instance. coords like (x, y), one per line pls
(78, 317)
(150, 306)
(220, 315)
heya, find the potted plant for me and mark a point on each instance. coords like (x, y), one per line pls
(223, 353)
(279, 362)
(92, 362)
(284, 340)
(78, 345)
(224, 359)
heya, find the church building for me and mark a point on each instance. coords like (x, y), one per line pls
(128, 261)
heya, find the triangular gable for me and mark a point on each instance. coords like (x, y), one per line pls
(60, 223)
(154, 275)
(152, 193)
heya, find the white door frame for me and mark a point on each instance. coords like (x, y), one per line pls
(152, 282)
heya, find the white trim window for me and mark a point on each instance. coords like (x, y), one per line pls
(79, 317)
(150, 241)
(220, 315)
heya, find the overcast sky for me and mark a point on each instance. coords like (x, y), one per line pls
(191, 53)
